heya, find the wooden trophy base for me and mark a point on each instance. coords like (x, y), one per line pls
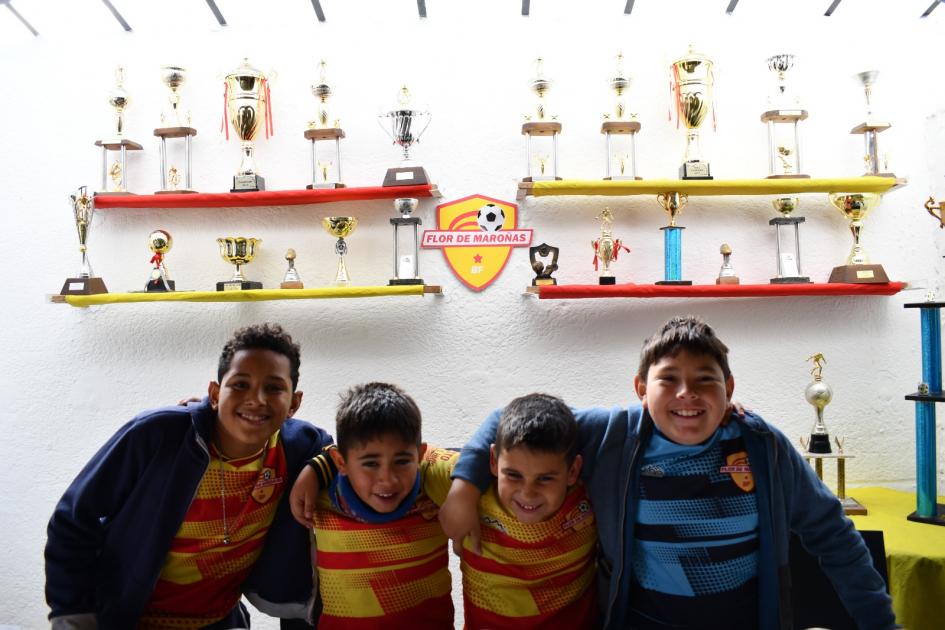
(621, 178)
(237, 285)
(179, 191)
(852, 506)
(406, 176)
(83, 286)
(248, 183)
(859, 274)
(541, 179)
(292, 284)
(728, 280)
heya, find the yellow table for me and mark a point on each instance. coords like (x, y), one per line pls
(915, 556)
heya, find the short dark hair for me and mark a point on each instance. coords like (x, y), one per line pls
(262, 337)
(539, 422)
(689, 333)
(371, 410)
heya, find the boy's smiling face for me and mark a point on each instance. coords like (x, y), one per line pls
(532, 485)
(687, 396)
(382, 471)
(252, 401)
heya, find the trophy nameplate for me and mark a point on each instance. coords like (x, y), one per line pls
(694, 170)
(859, 274)
(248, 183)
(406, 176)
(83, 286)
(238, 285)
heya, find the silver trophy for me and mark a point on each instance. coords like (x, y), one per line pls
(871, 128)
(784, 145)
(404, 120)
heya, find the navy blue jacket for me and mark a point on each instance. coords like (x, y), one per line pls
(112, 529)
(790, 498)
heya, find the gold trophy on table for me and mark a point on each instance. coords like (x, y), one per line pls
(606, 248)
(238, 251)
(692, 84)
(83, 208)
(340, 227)
(247, 108)
(858, 270)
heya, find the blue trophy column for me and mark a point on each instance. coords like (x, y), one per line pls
(927, 510)
(672, 255)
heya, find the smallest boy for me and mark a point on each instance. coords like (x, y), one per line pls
(382, 557)
(539, 538)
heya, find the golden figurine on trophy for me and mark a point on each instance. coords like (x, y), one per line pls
(175, 123)
(248, 105)
(238, 251)
(858, 270)
(784, 143)
(540, 124)
(621, 161)
(83, 208)
(693, 81)
(119, 99)
(323, 128)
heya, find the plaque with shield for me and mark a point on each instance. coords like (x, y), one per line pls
(85, 283)
(159, 242)
(175, 125)
(238, 251)
(620, 128)
(247, 107)
(544, 261)
(404, 120)
(322, 131)
(114, 173)
(406, 243)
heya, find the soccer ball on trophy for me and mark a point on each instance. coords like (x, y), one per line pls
(490, 217)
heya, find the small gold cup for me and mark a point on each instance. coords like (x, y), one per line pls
(238, 251)
(340, 227)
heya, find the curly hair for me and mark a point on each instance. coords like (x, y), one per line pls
(262, 337)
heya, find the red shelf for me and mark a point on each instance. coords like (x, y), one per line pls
(578, 291)
(263, 197)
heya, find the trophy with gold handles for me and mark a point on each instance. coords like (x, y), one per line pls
(606, 248)
(340, 227)
(692, 84)
(246, 96)
(159, 242)
(83, 208)
(858, 270)
(114, 181)
(238, 251)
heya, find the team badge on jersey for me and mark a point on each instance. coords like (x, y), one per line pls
(738, 468)
(265, 485)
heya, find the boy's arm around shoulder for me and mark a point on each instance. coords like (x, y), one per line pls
(817, 517)
(318, 473)
(75, 534)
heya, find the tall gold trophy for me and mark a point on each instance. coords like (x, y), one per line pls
(83, 208)
(692, 85)
(247, 108)
(858, 270)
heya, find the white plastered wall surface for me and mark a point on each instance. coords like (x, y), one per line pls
(70, 377)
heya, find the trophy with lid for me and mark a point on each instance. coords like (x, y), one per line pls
(692, 85)
(784, 145)
(324, 129)
(858, 270)
(404, 120)
(113, 175)
(871, 128)
(621, 156)
(817, 447)
(175, 124)
(789, 254)
(540, 124)
(247, 103)
(83, 208)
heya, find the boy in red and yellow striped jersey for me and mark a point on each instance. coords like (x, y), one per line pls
(537, 563)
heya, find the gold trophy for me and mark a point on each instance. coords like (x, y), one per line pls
(692, 85)
(727, 273)
(323, 128)
(606, 248)
(119, 99)
(291, 280)
(622, 164)
(175, 123)
(159, 242)
(238, 251)
(83, 208)
(871, 128)
(858, 270)
(817, 447)
(247, 107)
(541, 124)
(340, 227)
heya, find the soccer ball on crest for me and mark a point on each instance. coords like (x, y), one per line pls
(490, 217)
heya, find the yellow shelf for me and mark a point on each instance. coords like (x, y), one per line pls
(697, 187)
(256, 295)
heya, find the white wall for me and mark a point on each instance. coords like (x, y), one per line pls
(71, 376)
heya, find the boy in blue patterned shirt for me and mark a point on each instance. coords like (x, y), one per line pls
(695, 504)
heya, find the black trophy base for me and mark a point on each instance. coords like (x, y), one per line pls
(607, 280)
(83, 286)
(248, 183)
(859, 274)
(398, 282)
(684, 283)
(695, 170)
(157, 286)
(406, 176)
(937, 519)
(791, 280)
(819, 443)
(237, 285)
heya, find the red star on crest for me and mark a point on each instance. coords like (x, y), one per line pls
(477, 259)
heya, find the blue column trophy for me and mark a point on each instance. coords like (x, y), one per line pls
(672, 203)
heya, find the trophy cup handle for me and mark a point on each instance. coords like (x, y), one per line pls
(384, 129)
(429, 120)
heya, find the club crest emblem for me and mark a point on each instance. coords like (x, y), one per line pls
(265, 485)
(738, 468)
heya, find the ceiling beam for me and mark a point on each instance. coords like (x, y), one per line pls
(931, 8)
(422, 8)
(216, 12)
(117, 15)
(731, 7)
(627, 9)
(20, 17)
(832, 8)
(318, 10)
(525, 4)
